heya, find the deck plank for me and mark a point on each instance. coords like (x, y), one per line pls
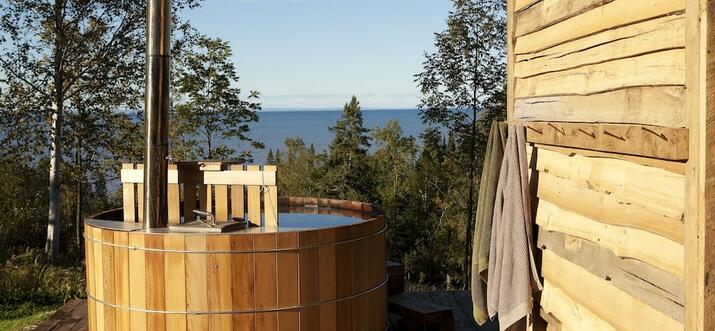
(461, 304)
(73, 315)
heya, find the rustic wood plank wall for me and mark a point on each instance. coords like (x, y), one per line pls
(611, 95)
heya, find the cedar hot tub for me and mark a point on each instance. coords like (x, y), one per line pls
(321, 267)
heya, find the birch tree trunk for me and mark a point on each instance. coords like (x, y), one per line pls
(80, 193)
(52, 245)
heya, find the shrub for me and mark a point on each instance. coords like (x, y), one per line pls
(26, 278)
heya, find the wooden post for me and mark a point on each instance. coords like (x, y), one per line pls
(254, 199)
(174, 200)
(237, 196)
(700, 194)
(129, 198)
(270, 200)
(511, 82)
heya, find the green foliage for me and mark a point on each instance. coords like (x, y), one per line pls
(211, 109)
(462, 84)
(23, 201)
(302, 170)
(71, 74)
(347, 161)
(26, 278)
(24, 316)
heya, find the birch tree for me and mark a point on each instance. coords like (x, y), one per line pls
(56, 53)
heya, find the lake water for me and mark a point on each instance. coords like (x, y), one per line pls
(313, 127)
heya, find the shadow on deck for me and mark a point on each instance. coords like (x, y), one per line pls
(73, 315)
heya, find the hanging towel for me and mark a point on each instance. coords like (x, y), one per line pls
(483, 222)
(512, 270)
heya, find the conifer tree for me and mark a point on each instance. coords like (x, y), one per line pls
(348, 163)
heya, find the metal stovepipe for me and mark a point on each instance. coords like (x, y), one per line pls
(156, 147)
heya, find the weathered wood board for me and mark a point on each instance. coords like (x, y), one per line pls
(655, 287)
(628, 182)
(611, 304)
(613, 14)
(624, 242)
(606, 208)
(649, 105)
(666, 68)
(640, 140)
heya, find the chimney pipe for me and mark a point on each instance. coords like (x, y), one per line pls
(156, 149)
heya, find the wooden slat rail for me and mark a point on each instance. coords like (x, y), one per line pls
(642, 140)
(225, 189)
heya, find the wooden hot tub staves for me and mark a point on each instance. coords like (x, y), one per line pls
(257, 279)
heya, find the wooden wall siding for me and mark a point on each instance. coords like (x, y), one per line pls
(522, 4)
(653, 36)
(543, 14)
(570, 314)
(624, 242)
(630, 183)
(649, 105)
(598, 56)
(666, 68)
(611, 304)
(670, 166)
(650, 141)
(655, 287)
(274, 281)
(614, 14)
(613, 94)
(606, 209)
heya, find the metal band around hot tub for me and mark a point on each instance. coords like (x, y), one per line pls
(135, 248)
(229, 312)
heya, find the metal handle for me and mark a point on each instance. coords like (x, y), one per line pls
(210, 219)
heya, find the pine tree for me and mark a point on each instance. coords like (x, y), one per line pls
(348, 166)
(270, 159)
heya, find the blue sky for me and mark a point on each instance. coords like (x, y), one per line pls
(317, 53)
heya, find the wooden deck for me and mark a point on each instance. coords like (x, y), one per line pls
(461, 304)
(73, 315)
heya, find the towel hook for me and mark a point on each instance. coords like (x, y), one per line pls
(659, 135)
(535, 130)
(590, 134)
(613, 135)
(561, 131)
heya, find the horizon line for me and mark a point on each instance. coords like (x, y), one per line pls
(279, 109)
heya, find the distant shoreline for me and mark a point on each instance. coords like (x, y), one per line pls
(279, 110)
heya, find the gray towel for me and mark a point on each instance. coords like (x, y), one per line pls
(511, 257)
(483, 222)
